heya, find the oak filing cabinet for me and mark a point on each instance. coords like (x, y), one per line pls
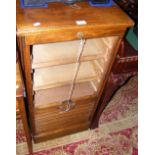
(67, 54)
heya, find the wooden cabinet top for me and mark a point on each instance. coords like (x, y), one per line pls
(60, 16)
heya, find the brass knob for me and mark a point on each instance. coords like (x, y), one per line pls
(67, 105)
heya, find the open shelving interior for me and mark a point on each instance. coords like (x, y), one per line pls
(54, 83)
(54, 71)
(56, 76)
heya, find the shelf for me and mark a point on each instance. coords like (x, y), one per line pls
(56, 76)
(59, 94)
(51, 54)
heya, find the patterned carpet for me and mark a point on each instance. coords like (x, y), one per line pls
(116, 135)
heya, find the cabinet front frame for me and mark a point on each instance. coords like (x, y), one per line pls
(25, 43)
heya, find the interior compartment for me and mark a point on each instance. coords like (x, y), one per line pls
(62, 75)
(50, 54)
(52, 84)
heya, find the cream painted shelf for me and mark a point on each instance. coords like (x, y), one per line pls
(56, 76)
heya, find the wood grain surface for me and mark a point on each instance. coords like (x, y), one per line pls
(58, 22)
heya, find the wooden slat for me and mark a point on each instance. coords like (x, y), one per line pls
(42, 136)
(61, 123)
(62, 75)
(83, 113)
(82, 101)
(54, 118)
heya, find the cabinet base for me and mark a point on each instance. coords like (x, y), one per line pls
(61, 132)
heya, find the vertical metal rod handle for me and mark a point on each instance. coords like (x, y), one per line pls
(80, 51)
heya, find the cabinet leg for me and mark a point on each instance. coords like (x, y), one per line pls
(114, 82)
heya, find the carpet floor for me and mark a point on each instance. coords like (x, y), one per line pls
(116, 134)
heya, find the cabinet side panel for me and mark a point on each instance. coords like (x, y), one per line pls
(96, 116)
(28, 81)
